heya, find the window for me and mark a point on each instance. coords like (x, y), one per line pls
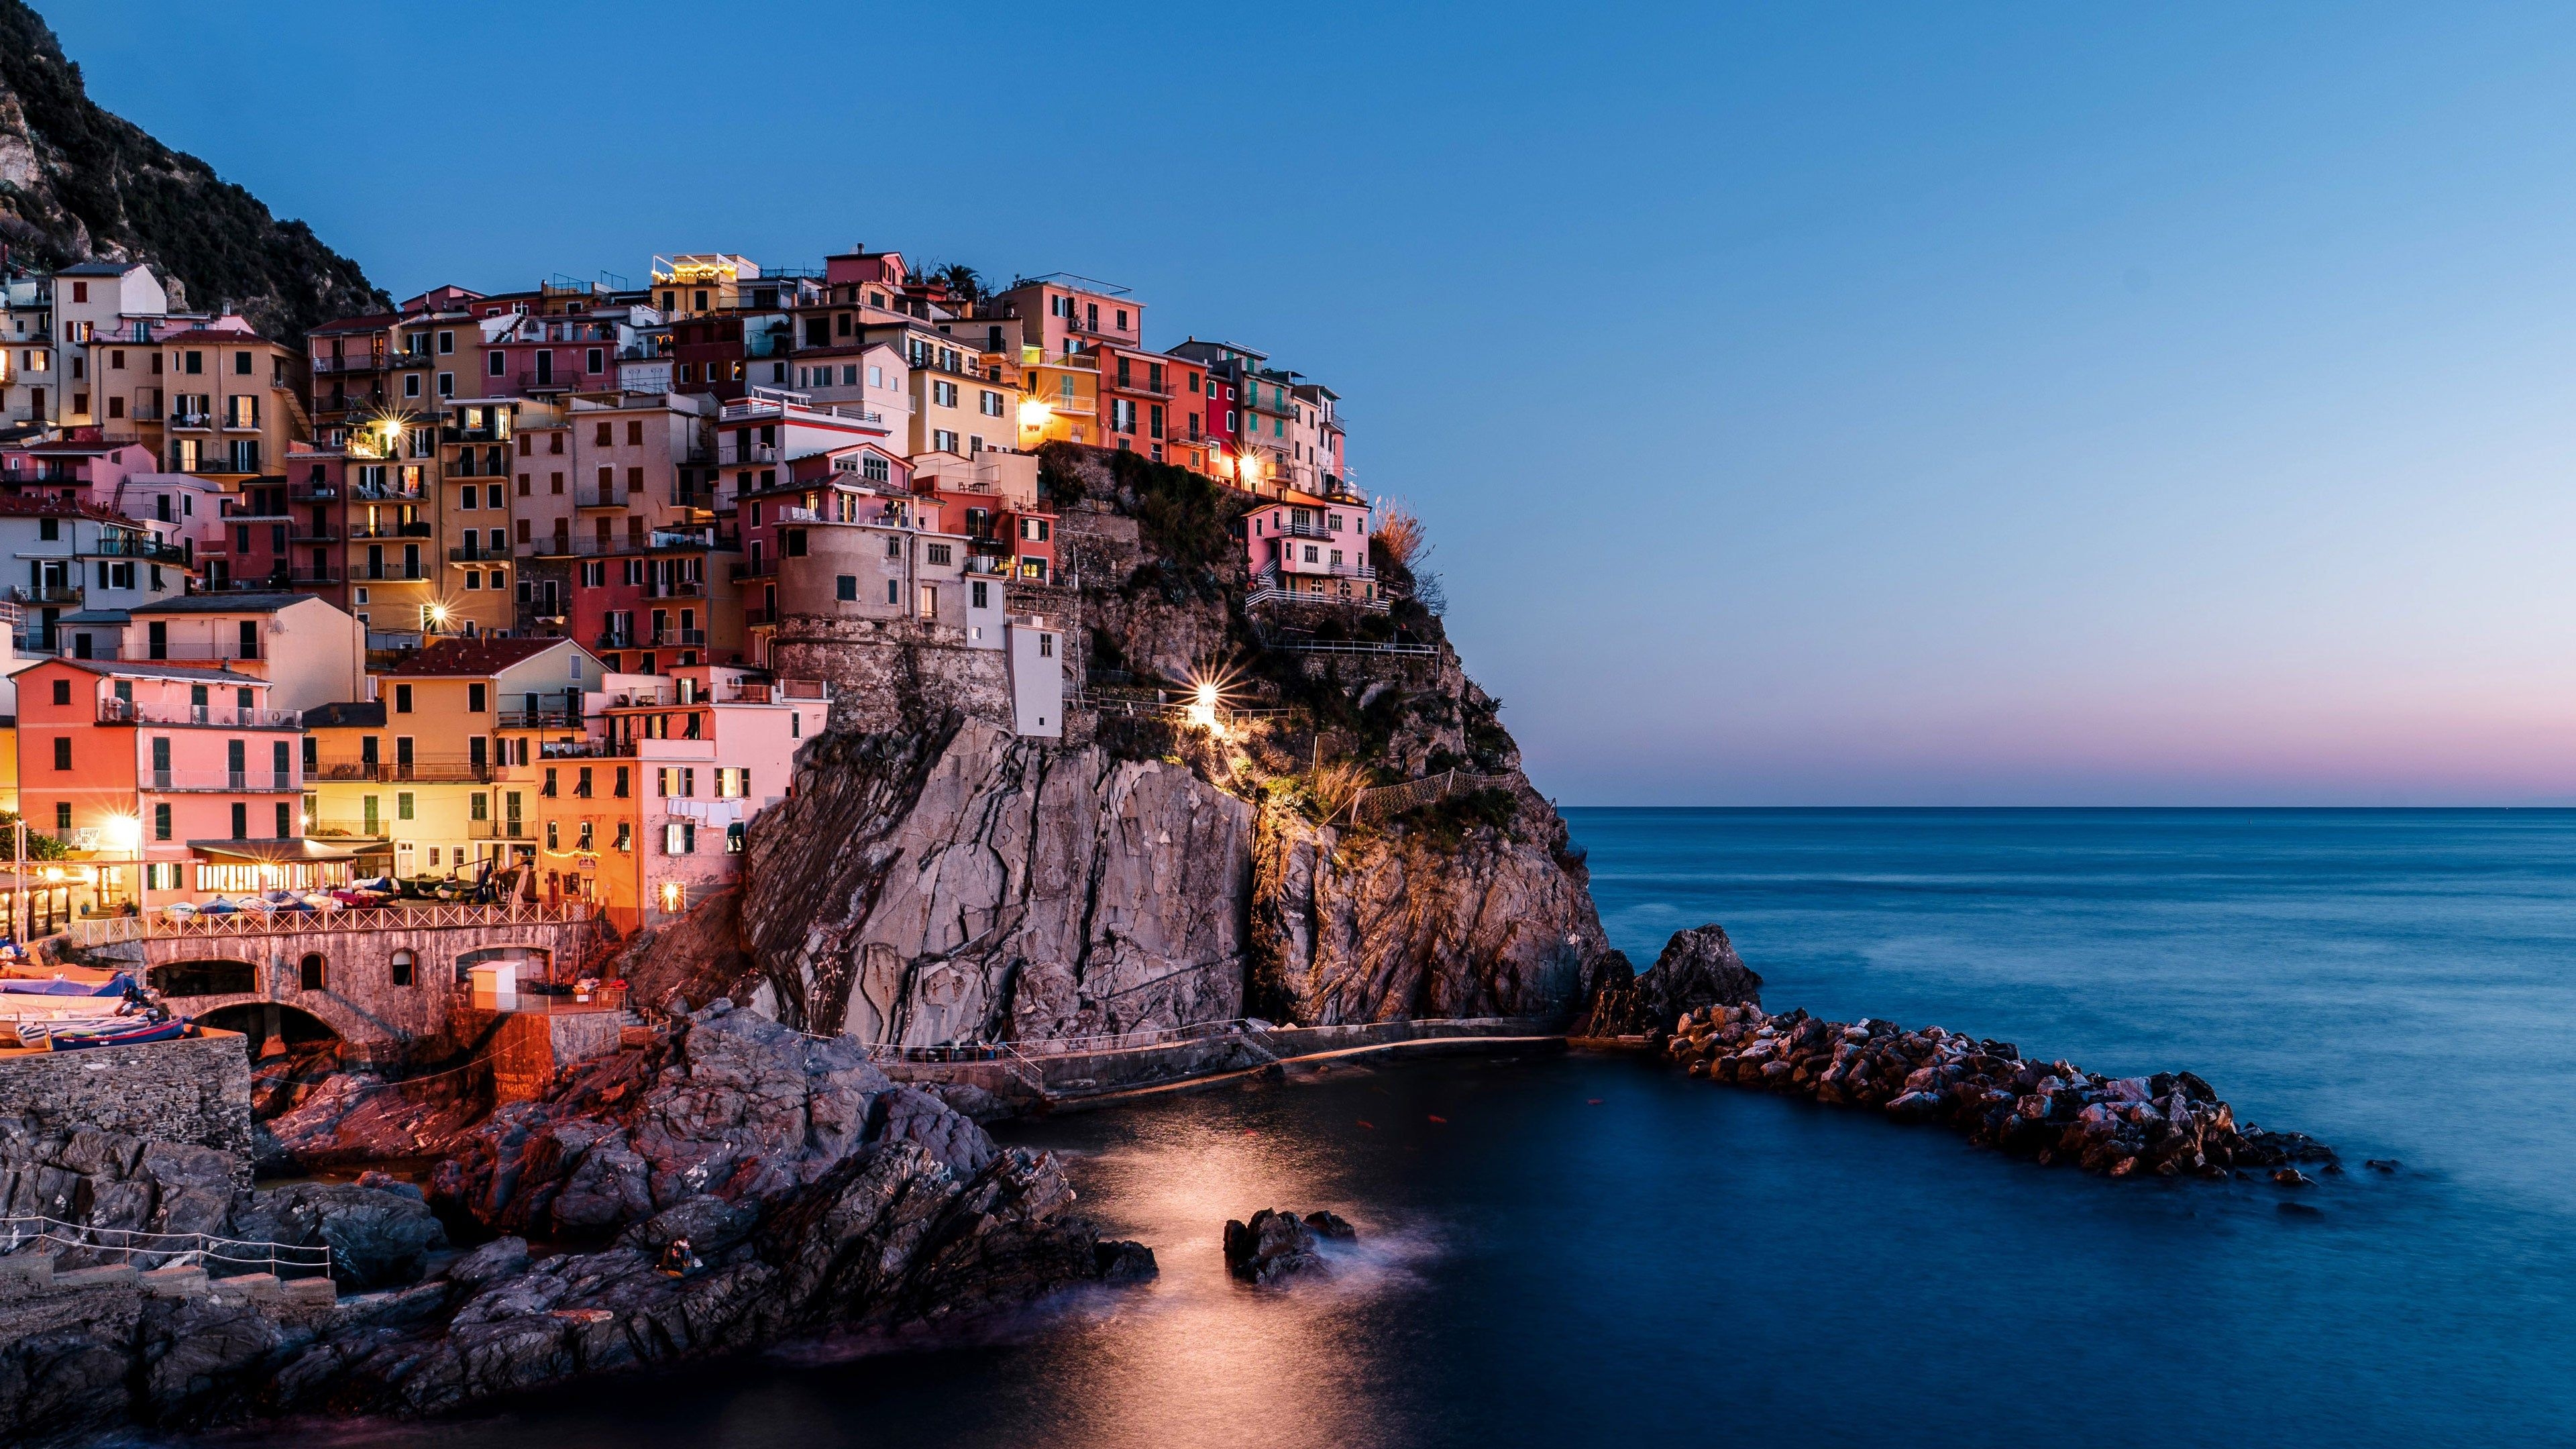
(406, 966)
(161, 821)
(62, 691)
(892, 596)
(680, 837)
(796, 543)
(1046, 646)
(981, 599)
(402, 805)
(929, 602)
(943, 394)
(991, 404)
(846, 588)
(447, 342)
(63, 814)
(63, 753)
(938, 553)
(402, 699)
(496, 363)
(285, 821)
(310, 973)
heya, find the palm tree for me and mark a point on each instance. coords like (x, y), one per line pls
(962, 281)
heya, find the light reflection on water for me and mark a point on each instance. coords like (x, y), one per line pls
(1589, 1250)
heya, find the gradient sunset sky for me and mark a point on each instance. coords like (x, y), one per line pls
(1868, 404)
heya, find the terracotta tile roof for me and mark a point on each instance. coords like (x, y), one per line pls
(482, 654)
(21, 506)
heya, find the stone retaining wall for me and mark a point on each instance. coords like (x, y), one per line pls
(195, 1091)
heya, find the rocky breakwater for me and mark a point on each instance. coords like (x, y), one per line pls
(2165, 1125)
(813, 1194)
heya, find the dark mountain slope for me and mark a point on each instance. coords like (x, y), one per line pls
(78, 182)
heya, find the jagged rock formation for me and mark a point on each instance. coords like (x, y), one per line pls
(1698, 969)
(1277, 1244)
(78, 182)
(815, 1194)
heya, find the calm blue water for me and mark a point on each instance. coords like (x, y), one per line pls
(1590, 1250)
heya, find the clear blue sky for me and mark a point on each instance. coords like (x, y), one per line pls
(1812, 404)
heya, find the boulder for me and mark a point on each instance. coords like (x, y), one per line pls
(1276, 1244)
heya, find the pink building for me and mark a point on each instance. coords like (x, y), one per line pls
(1306, 549)
(168, 783)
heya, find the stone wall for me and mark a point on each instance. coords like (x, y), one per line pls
(193, 1092)
(886, 674)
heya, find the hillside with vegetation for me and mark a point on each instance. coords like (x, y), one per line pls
(78, 182)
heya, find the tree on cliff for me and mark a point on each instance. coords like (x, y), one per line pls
(78, 182)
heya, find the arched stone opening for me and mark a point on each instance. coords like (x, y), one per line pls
(214, 977)
(272, 1027)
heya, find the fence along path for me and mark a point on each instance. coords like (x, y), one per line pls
(1377, 804)
(203, 1250)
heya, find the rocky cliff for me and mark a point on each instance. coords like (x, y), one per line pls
(78, 182)
(945, 880)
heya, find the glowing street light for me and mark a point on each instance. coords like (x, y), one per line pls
(1035, 414)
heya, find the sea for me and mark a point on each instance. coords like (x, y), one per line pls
(1587, 1248)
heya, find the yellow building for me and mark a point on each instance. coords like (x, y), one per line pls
(1059, 400)
(694, 284)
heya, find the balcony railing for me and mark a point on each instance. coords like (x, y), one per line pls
(540, 719)
(366, 531)
(730, 452)
(122, 711)
(196, 651)
(500, 830)
(45, 593)
(438, 771)
(616, 639)
(663, 638)
(594, 496)
(262, 781)
(127, 545)
(675, 589)
(475, 553)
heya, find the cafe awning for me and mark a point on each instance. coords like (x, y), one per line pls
(293, 851)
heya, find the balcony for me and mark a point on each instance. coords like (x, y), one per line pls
(396, 772)
(122, 711)
(127, 545)
(312, 492)
(500, 830)
(222, 781)
(308, 532)
(675, 589)
(197, 652)
(696, 499)
(729, 452)
(387, 573)
(595, 496)
(616, 639)
(665, 638)
(765, 569)
(540, 719)
(478, 554)
(45, 593)
(588, 750)
(192, 421)
(365, 531)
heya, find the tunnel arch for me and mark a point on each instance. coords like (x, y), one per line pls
(262, 1021)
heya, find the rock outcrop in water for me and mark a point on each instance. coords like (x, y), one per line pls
(1699, 968)
(2164, 1125)
(1277, 1244)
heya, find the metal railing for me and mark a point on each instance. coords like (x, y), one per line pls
(122, 711)
(397, 772)
(199, 1250)
(392, 916)
(244, 781)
